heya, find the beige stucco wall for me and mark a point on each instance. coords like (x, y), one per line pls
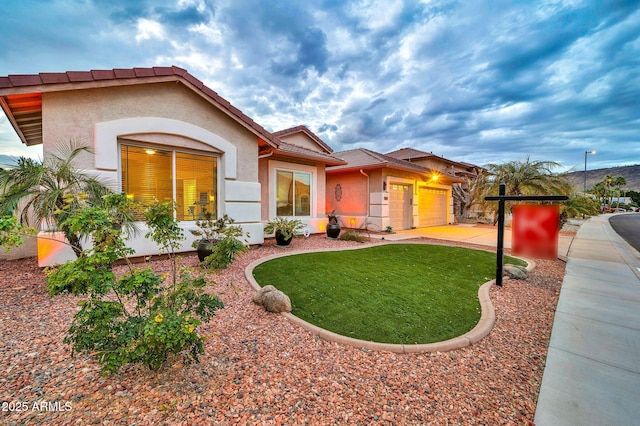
(317, 220)
(167, 114)
(73, 115)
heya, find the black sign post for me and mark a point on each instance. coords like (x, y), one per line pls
(501, 198)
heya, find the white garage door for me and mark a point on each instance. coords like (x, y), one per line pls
(432, 207)
(400, 211)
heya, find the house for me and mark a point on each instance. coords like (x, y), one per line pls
(466, 171)
(161, 133)
(382, 191)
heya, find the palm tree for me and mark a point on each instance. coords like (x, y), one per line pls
(48, 191)
(525, 178)
(619, 182)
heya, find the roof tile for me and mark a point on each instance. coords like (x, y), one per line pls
(179, 71)
(103, 74)
(4, 82)
(210, 92)
(24, 80)
(144, 72)
(77, 76)
(124, 73)
(160, 71)
(191, 79)
(54, 77)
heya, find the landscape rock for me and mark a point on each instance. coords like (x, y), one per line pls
(257, 297)
(276, 301)
(515, 272)
(272, 299)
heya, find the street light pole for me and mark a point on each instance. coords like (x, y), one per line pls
(585, 169)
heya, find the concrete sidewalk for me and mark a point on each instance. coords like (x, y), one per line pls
(592, 373)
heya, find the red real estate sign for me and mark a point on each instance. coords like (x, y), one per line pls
(534, 231)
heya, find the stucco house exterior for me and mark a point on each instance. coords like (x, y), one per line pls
(379, 190)
(466, 171)
(293, 177)
(161, 133)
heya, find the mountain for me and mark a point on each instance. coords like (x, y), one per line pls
(630, 173)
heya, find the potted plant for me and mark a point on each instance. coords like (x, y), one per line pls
(333, 227)
(284, 229)
(209, 231)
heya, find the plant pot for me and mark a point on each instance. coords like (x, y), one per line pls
(204, 248)
(281, 241)
(333, 230)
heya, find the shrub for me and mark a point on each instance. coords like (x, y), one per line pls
(135, 318)
(226, 241)
(12, 233)
(226, 249)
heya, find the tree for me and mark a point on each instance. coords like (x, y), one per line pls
(619, 182)
(470, 193)
(43, 187)
(525, 178)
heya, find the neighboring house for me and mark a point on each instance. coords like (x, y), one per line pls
(161, 133)
(466, 171)
(380, 191)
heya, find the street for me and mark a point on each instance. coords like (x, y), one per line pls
(628, 227)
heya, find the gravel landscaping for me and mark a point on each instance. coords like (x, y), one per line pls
(260, 369)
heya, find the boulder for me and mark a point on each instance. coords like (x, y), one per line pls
(272, 299)
(257, 297)
(515, 272)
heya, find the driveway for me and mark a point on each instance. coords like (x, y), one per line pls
(469, 233)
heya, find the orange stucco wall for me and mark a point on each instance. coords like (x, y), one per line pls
(352, 193)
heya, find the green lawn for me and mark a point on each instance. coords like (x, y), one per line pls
(392, 293)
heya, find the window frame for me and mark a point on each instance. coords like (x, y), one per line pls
(173, 150)
(280, 166)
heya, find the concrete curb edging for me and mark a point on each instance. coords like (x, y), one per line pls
(481, 330)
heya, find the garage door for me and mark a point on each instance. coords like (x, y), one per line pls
(432, 207)
(400, 211)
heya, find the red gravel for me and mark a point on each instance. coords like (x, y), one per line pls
(260, 369)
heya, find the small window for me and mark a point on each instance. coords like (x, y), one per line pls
(293, 193)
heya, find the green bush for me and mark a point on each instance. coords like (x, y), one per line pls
(353, 234)
(226, 240)
(12, 233)
(136, 318)
(225, 251)
(580, 206)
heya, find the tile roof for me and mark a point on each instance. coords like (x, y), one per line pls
(365, 158)
(305, 130)
(21, 84)
(291, 150)
(409, 154)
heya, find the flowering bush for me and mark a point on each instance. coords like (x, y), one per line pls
(136, 318)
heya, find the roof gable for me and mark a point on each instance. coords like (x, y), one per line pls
(27, 120)
(304, 130)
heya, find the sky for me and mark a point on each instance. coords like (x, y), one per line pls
(474, 81)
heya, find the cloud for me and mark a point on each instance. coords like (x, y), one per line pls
(477, 81)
